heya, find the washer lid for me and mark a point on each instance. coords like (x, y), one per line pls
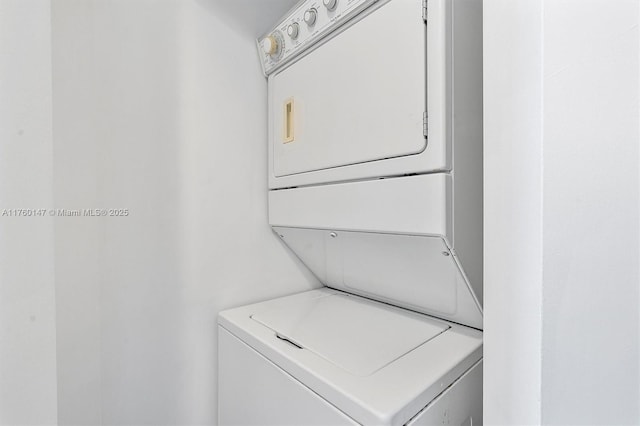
(355, 334)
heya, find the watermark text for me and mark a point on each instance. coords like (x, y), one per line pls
(121, 212)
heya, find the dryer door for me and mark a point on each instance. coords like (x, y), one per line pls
(358, 101)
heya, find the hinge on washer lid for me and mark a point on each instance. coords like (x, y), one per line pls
(425, 124)
(424, 10)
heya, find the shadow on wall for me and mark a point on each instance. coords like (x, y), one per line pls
(246, 16)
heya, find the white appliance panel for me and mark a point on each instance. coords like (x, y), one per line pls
(358, 98)
(254, 391)
(417, 272)
(419, 205)
(307, 24)
(355, 334)
(411, 270)
(460, 404)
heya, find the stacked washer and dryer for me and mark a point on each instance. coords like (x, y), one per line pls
(375, 183)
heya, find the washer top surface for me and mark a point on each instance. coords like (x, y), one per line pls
(357, 335)
(377, 363)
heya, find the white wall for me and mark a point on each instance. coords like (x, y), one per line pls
(79, 242)
(590, 348)
(513, 166)
(161, 109)
(562, 189)
(27, 293)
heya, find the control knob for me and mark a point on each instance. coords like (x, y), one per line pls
(330, 4)
(310, 16)
(293, 30)
(270, 45)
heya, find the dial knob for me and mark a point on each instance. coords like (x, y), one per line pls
(293, 30)
(330, 4)
(310, 16)
(270, 45)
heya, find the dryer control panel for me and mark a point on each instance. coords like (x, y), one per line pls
(305, 25)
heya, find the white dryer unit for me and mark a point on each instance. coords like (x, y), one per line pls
(375, 183)
(361, 99)
(375, 97)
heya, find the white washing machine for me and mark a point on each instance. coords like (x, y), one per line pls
(326, 357)
(375, 183)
